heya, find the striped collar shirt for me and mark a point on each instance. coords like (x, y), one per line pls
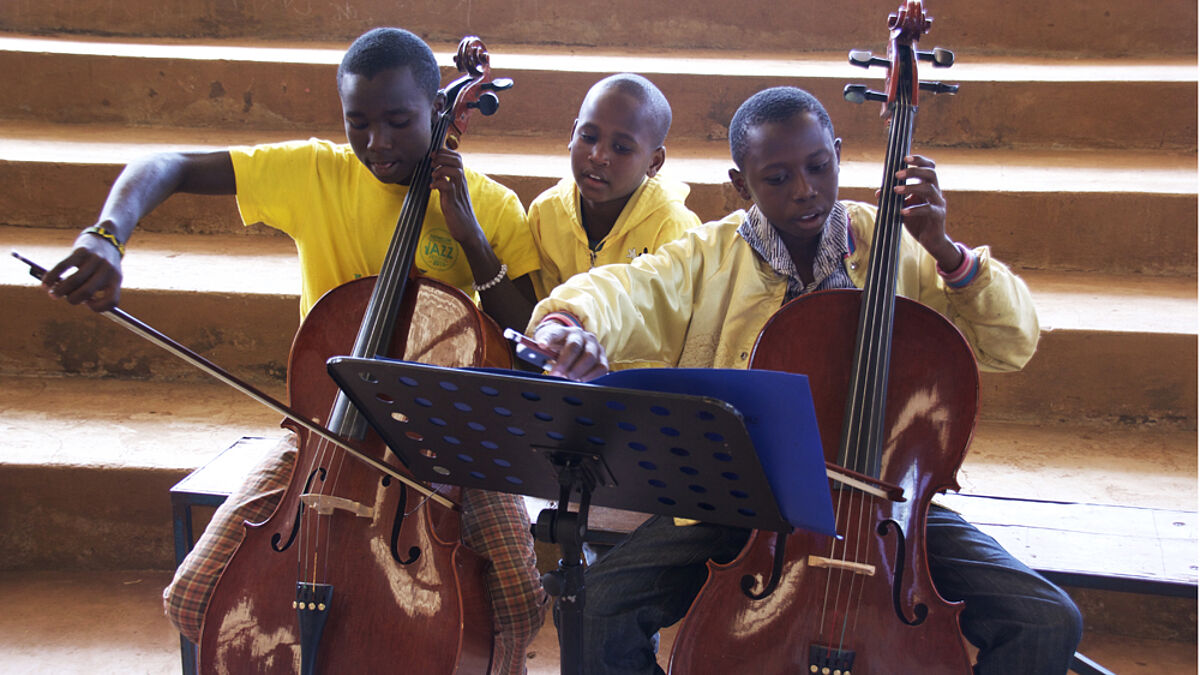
(829, 270)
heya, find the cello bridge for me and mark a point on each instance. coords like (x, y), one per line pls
(325, 505)
(848, 565)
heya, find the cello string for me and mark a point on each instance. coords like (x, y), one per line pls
(903, 122)
(874, 344)
(319, 529)
(852, 437)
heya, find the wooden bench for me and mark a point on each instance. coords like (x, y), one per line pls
(1119, 548)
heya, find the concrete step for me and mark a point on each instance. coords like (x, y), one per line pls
(1026, 204)
(1003, 103)
(88, 463)
(76, 623)
(1071, 28)
(233, 300)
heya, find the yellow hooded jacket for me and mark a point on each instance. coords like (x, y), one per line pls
(654, 215)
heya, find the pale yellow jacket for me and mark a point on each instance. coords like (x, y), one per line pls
(702, 300)
(654, 215)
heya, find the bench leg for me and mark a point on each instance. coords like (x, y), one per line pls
(187, 652)
(181, 514)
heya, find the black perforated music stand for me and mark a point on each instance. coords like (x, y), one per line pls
(669, 454)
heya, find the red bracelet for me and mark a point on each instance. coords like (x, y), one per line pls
(562, 318)
(966, 270)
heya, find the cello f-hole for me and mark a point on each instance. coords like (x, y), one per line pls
(776, 571)
(920, 610)
(299, 514)
(397, 525)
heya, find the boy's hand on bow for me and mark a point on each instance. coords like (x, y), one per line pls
(96, 279)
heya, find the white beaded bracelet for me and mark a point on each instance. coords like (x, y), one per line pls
(493, 282)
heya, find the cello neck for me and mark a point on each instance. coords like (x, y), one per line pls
(863, 429)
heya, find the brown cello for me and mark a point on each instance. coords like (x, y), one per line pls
(355, 572)
(895, 424)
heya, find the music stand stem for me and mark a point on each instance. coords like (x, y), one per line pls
(568, 529)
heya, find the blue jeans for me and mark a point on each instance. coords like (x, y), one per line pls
(1020, 622)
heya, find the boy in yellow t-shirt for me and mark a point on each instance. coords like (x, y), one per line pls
(340, 203)
(615, 206)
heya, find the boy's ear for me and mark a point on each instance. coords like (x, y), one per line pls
(439, 104)
(656, 161)
(574, 126)
(739, 184)
(837, 149)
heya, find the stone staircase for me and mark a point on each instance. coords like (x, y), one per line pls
(1071, 149)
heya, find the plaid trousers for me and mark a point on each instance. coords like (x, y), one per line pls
(494, 524)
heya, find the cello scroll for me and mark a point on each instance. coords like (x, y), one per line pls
(475, 90)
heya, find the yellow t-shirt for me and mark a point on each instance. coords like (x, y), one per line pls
(342, 218)
(654, 215)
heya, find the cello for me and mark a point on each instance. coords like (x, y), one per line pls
(354, 571)
(895, 424)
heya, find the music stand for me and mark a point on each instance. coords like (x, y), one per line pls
(670, 454)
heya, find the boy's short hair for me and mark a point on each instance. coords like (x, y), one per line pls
(644, 92)
(381, 49)
(777, 104)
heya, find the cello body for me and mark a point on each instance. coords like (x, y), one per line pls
(355, 571)
(933, 397)
(407, 591)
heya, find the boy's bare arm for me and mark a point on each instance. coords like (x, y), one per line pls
(142, 186)
(509, 302)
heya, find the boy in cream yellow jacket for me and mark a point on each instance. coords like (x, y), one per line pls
(615, 206)
(701, 301)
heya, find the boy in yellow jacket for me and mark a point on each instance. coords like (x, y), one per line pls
(615, 206)
(701, 302)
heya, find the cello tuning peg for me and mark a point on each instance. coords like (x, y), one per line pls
(940, 58)
(938, 87)
(499, 84)
(858, 93)
(864, 59)
(487, 104)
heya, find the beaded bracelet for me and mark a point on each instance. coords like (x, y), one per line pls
(494, 281)
(107, 236)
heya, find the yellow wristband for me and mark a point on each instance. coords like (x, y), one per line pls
(108, 236)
